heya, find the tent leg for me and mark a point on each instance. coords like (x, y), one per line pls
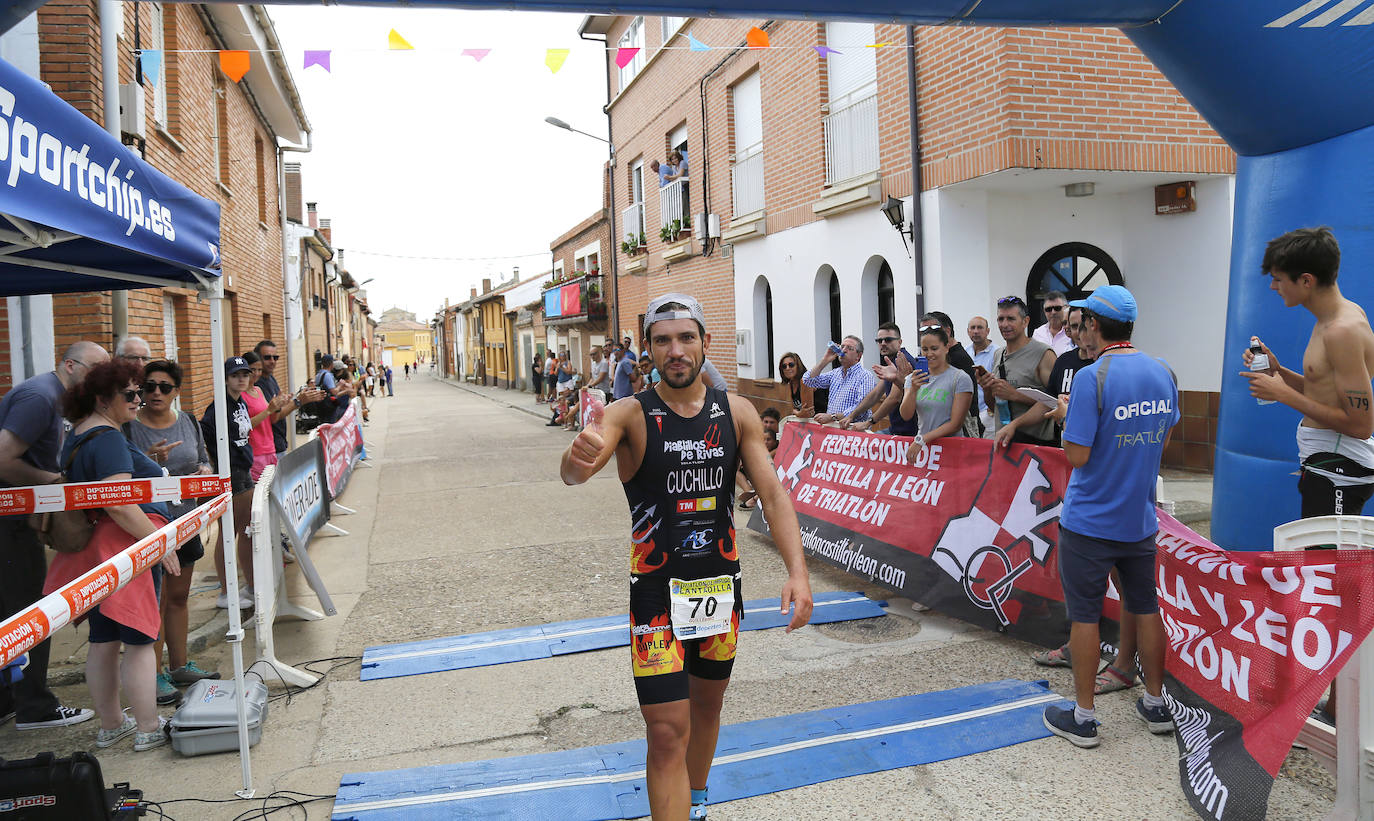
(228, 534)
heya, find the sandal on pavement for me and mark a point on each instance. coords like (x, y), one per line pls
(1112, 679)
(1058, 657)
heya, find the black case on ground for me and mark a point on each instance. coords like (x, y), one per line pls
(46, 787)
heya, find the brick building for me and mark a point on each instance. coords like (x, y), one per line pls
(574, 300)
(216, 137)
(1041, 151)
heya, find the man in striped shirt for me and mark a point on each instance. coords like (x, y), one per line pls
(848, 384)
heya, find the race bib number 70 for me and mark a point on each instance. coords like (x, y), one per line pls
(702, 607)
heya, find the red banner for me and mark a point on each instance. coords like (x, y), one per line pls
(571, 295)
(343, 442)
(1255, 639)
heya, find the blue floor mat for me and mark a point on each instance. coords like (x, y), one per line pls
(560, 638)
(753, 758)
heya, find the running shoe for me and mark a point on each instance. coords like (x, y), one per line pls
(105, 738)
(1158, 719)
(698, 811)
(245, 599)
(1061, 722)
(190, 673)
(152, 739)
(60, 717)
(167, 692)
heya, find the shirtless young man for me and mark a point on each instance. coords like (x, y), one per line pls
(677, 448)
(1332, 392)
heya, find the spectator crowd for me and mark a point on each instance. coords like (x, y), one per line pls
(102, 418)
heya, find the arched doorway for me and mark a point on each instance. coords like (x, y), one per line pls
(1076, 268)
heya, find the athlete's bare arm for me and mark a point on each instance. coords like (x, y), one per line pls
(1333, 391)
(612, 435)
(777, 508)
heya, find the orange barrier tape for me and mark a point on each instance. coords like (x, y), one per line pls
(56, 610)
(87, 495)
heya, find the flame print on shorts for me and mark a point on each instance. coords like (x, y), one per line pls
(721, 647)
(729, 551)
(657, 652)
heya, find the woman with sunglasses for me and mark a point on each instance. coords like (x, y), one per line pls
(96, 451)
(173, 440)
(939, 402)
(803, 397)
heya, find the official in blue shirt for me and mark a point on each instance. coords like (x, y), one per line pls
(1120, 413)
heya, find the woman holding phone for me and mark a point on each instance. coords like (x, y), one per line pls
(940, 401)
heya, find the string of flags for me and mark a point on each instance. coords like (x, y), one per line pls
(236, 63)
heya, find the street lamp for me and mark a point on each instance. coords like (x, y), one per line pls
(894, 210)
(615, 280)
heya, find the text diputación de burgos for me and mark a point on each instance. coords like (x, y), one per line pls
(29, 151)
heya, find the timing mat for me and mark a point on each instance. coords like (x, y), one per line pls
(561, 638)
(753, 758)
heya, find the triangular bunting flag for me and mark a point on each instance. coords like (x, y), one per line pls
(151, 61)
(395, 42)
(756, 38)
(825, 50)
(554, 57)
(623, 56)
(696, 45)
(234, 64)
(317, 58)
(476, 53)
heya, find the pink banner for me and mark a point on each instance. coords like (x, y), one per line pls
(343, 443)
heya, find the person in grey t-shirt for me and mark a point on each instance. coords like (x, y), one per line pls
(31, 428)
(940, 402)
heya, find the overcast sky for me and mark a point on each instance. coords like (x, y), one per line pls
(432, 154)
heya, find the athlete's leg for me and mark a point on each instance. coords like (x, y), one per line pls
(667, 727)
(706, 699)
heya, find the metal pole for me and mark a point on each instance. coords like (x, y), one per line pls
(917, 221)
(228, 535)
(109, 80)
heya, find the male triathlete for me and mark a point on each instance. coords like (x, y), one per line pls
(1332, 391)
(677, 447)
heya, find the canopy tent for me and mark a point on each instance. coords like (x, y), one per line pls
(81, 212)
(87, 214)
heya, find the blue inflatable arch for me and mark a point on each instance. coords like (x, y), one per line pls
(1289, 84)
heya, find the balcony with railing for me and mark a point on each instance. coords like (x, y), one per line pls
(632, 222)
(851, 137)
(746, 180)
(674, 203)
(579, 299)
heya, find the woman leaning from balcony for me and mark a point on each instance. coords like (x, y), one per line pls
(96, 451)
(803, 397)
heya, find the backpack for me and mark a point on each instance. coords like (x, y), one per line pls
(66, 531)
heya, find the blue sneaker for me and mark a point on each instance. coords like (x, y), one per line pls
(1060, 721)
(1158, 719)
(698, 812)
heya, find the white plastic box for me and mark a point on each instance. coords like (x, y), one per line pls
(207, 721)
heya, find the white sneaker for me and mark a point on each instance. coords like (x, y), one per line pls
(245, 599)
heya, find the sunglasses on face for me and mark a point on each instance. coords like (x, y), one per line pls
(152, 386)
(787, 365)
(1055, 308)
(132, 396)
(883, 339)
(272, 356)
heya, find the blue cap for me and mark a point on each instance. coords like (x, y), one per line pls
(1110, 301)
(234, 364)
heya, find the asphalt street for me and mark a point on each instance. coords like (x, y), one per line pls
(464, 526)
